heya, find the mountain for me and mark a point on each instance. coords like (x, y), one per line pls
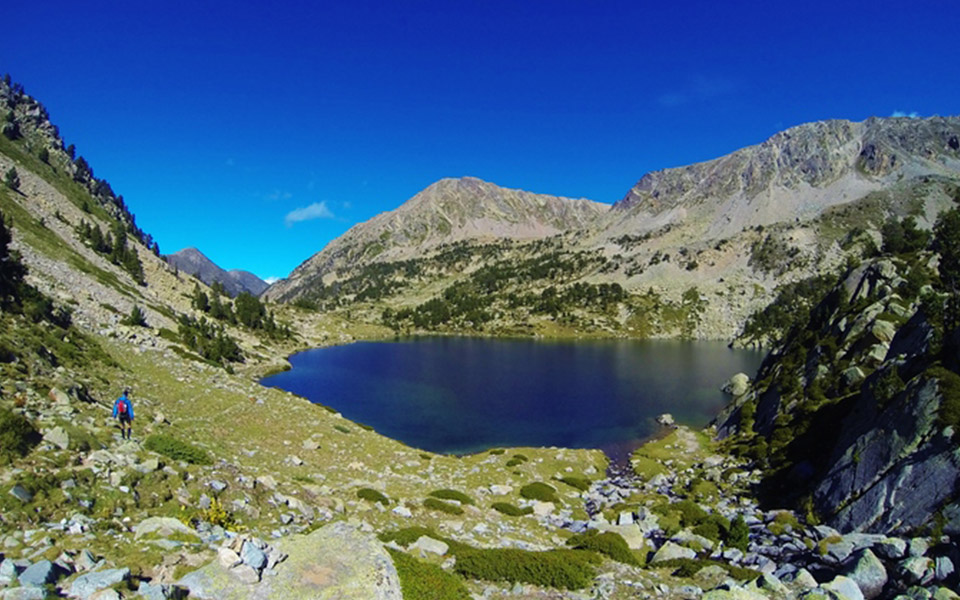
(693, 250)
(448, 211)
(194, 262)
(232, 489)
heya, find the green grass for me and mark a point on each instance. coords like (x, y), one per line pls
(447, 494)
(177, 450)
(540, 491)
(609, 543)
(948, 383)
(421, 580)
(435, 504)
(511, 510)
(372, 495)
(578, 483)
(688, 567)
(566, 569)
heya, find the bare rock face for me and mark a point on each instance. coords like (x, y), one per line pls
(194, 262)
(335, 561)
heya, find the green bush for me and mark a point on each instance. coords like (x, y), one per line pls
(568, 569)
(435, 504)
(177, 450)
(497, 451)
(608, 543)
(372, 495)
(511, 510)
(688, 567)
(540, 491)
(421, 580)
(691, 512)
(17, 435)
(446, 494)
(713, 527)
(578, 483)
(739, 535)
(948, 383)
(408, 535)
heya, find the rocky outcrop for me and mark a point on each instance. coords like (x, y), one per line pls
(335, 561)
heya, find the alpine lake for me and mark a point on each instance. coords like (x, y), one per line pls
(458, 395)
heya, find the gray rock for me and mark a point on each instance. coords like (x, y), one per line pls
(253, 556)
(20, 493)
(40, 574)
(58, 437)
(428, 544)
(738, 385)
(245, 574)
(918, 547)
(943, 568)
(890, 548)
(844, 587)
(669, 551)
(157, 591)
(869, 574)
(24, 593)
(228, 558)
(85, 560)
(164, 527)
(804, 580)
(666, 419)
(218, 486)
(106, 594)
(335, 561)
(87, 585)
(916, 569)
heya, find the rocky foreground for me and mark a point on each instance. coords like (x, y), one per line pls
(677, 507)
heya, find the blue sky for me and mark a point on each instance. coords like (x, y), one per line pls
(258, 132)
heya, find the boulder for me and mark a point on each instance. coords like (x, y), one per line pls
(253, 556)
(428, 544)
(24, 593)
(58, 437)
(335, 561)
(915, 570)
(844, 587)
(157, 591)
(20, 493)
(666, 419)
(164, 527)
(890, 548)
(943, 593)
(869, 574)
(669, 551)
(87, 585)
(40, 573)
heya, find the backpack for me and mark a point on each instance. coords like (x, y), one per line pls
(122, 407)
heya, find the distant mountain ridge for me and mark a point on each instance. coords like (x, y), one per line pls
(731, 229)
(194, 262)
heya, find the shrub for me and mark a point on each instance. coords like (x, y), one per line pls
(568, 569)
(781, 521)
(136, 318)
(518, 459)
(176, 449)
(446, 494)
(691, 512)
(17, 435)
(539, 491)
(578, 483)
(688, 567)
(608, 543)
(421, 580)
(497, 451)
(511, 510)
(948, 384)
(405, 537)
(341, 429)
(435, 504)
(372, 495)
(739, 535)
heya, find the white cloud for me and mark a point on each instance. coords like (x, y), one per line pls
(900, 113)
(271, 280)
(317, 210)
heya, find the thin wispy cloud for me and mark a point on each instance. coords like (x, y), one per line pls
(699, 88)
(317, 210)
(901, 113)
(271, 280)
(277, 195)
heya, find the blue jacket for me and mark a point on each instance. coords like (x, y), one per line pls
(125, 400)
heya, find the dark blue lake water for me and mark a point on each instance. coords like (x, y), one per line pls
(461, 395)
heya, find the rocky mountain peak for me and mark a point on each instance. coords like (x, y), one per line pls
(192, 261)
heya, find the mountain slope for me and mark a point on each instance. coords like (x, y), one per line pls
(696, 249)
(194, 262)
(449, 211)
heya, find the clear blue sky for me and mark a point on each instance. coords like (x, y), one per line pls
(259, 131)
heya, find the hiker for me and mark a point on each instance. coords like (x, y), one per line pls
(123, 410)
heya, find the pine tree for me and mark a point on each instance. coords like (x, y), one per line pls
(11, 179)
(136, 318)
